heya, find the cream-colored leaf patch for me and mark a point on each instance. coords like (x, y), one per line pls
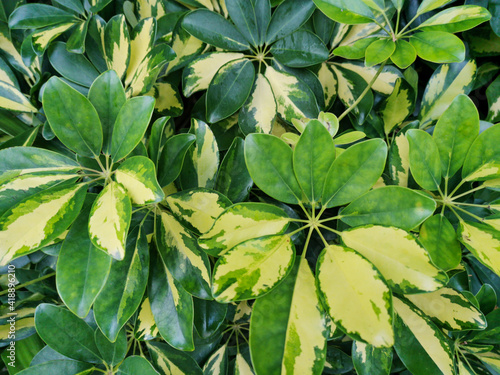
(14, 100)
(41, 39)
(484, 242)
(145, 326)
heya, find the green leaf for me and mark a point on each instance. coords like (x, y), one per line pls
(440, 239)
(229, 89)
(483, 241)
(58, 367)
(241, 222)
(251, 18)
(269, 162)
(109, 220)
(169, 361)
(312, 158)
(32, 16)
(422, 347)
(288, 328)
(300, 49)
(425, 163)
(82, 269)
(428, 5)
(390, 205)
(493, 96)
(214, 29)
(76, 42)
(172, 157)
(252, 268)
(107, 96)
(72, 66)
(345, 11)
(72, 118)
(138, 176)
(172, 307)
(21, 229)
(404, 55)
(354, 172)
(398, 106)
(209, 317)
(117, 45)
(400, 258)
(294, 99)
(112, 353)
(136, 365)
(97, 5)
(455, 132)
(233, 179)
(183, 257)
(66, 333)
(355, 295)
(449, 309)
(379, 51)
(456, 19)
(288, 17)
(438, 46)
(218, 362)
(445, 84)
(484, 150)
(369, 360)
(202, 159)
(125, 286)
(186, 48)
(259, 111)
(130, 125)
(197, 209)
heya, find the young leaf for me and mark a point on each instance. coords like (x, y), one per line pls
(379, 51)
(404, 55)
(252, 268)
(110, 219)
(438, 46)
(288, 318)
(197, 209)
(229, 89)
(66, 333)
(456, 19)
(21, 229)
(241, 222)
(82, 269)
(450, 309)
(73, 118)
(130, 125)
(425, 163)
(117, 45)
(344, 11)
(390, 205)
(107, 96)
(138, 176)
(398, 256)
(125, 286)
(356, 295)
(312, 158)
(428, 5)
(269, 161)
(182, 256)
(354, 172)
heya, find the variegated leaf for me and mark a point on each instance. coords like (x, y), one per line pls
(218, 362)
(168, 100)
(293, 97)
(241, 222)
(186, 48)
(37, 220)
(150, 8)
(122, 294)
(182, 256)
(399, 160)
(488, 171)
(423, 347)
(42, 38)
(145, 326)
(241, 366)
(141, 42)
(202, 159)
(356, 296)
(138, 176)
(13, 56)
(450, 309)
(170, 361)
(398, 105)
(385, 82)
(369, 360)
(493, 96)
(13, 100)
(110, 219)
(483, 241)
(197, 209)
(259, 111)
(252, 268)
(399, 257)
(117, 45)
(448, 81)
(329, 83)
(199, 73)
(456, 19)
(288, 328)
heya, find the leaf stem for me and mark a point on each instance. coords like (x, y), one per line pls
(408, 24)
(365, 91)
(470, 214)
(306, 245)
(298, 230)
(322, 237)
(467, 192)
(330, 229)
(28, 283)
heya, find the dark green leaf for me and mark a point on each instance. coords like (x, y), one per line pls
(300, 49)
(172, 157)
(32, 16)
(251, 18)
(58, 367)
(208, 316)
(135, 365)
(166, 358)
(112, 352)
(76, 42)
(288, 17)
(72, 66)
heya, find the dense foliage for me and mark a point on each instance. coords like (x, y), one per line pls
(250, 187)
